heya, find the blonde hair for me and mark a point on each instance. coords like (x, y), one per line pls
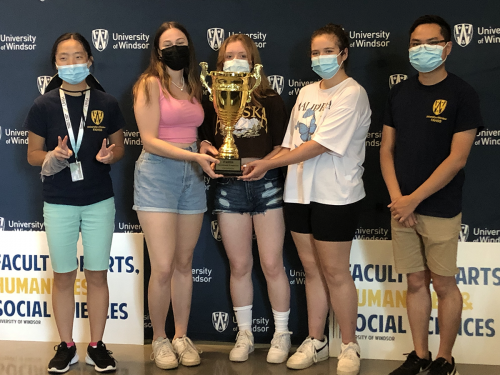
(264, 89)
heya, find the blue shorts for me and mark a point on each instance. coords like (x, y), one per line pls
(62, 226)
(167, 185)
(252, 197)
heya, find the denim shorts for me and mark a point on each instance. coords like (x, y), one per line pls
(252, 197)
(63, 224)
(167, 185)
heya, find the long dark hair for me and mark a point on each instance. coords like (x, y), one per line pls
(158, 70)
(56, 81)
(264, 89)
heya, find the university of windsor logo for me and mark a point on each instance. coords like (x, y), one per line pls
(42, 83)
(277, 83)
(464, 233)
(220, 320)
(215, 37)
(100, 38)
(439, 106)
(2, 224)
(215, 230)
(97, 116)
(463, 33)
(396, 78)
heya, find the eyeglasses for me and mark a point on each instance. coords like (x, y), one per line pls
(430, 46)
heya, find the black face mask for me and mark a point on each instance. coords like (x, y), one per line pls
(175, 57)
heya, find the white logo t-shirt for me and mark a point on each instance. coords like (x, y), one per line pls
(337, 118)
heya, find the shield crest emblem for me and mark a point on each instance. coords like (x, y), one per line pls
(277, 83)
(463, 33)
(42, 83)
(396, 78)
(220, 320)
(97, 116)
(100, 38)
(215, 230)
(215, 37)
(439, 106)
(464, 233)
(2, 224)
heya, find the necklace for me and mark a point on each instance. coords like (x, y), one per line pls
(181, 87)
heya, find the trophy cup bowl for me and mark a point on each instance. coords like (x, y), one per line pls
(230, 92)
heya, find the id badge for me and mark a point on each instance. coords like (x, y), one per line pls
(76, 171)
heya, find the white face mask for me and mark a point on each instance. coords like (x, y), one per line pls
(237, 65)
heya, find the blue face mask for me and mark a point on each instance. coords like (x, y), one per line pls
(73, 74)
(237, 65)
(326, 66)
(425, 58)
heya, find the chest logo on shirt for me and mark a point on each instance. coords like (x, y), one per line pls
(439, 106)
(249, 125)
(97, 116)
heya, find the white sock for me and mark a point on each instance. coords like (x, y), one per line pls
(281, 320)
(244, 317)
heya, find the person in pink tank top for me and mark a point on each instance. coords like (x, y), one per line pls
(169, 190)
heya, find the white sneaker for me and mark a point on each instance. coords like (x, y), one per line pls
(280, 347)
(311, 351)
(189, 355)
(163, 354)
(243, 347)
(349, 359)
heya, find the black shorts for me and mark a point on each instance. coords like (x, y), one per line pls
(324, 221)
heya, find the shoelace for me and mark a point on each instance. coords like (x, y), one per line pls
(60, 352)
(241, 339)
(438, 367)
(102, 353)
(349, 353)
(163, 349)
(278, 340)
(308, 345)
(189, 346)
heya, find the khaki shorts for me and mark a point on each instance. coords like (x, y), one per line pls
(431, 244)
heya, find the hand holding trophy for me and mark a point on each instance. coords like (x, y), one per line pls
(230, 93)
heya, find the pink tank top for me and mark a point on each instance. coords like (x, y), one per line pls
(179, 119)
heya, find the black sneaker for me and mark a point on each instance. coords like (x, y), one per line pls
(63, 359)
(101, 358)
(442, 367)
(413, 365)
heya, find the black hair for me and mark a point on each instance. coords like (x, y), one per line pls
(339, 32)
(445, 27)
(76, 36)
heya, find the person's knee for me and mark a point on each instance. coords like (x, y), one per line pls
(96, 279)
(64, 280)
(417, 282)
(272, 267)
(445, 285)
(336, 277)
(162, 274)
(241, 267)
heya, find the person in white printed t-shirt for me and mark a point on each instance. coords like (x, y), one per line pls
(324, 148)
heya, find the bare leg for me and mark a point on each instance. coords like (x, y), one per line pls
(316, 289)
(97, 302)
(418, 301)
(188, 232)
(334, 261)
(160, 232)
(270, 231)
(236, 232)
(63, 303)
(449, 312)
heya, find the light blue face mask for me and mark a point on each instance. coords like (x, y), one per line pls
(425, 57)
(73, 74)
(237, 65)
(326, 66)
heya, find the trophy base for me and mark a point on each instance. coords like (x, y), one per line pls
(229, 168)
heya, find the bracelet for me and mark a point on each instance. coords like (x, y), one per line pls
(210, 143)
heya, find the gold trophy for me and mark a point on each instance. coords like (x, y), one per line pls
(230, 93)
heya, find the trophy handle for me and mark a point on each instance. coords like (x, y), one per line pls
(256, 75)
(204, 73)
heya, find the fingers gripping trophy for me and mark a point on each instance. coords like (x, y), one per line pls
(230, 93)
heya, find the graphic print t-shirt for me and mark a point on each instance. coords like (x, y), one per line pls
(338, 118)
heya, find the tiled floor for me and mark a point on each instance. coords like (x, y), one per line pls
(31, 358)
